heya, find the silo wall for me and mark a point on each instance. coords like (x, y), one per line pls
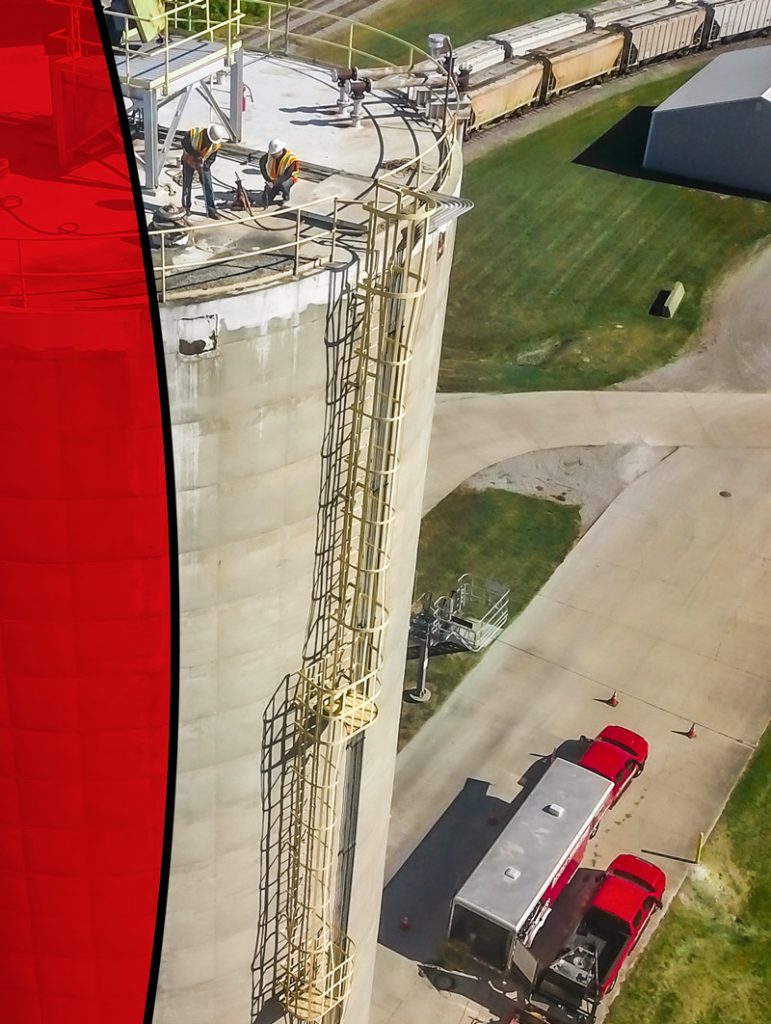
(247, 423)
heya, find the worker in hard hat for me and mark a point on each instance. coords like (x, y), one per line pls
(199, 151)
(280, 169)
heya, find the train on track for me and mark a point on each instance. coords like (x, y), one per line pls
(528, 66)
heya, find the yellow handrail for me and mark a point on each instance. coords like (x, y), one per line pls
(426, 170)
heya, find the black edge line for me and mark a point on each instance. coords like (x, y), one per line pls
(168, 451)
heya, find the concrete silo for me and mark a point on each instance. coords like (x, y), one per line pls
(301, 349)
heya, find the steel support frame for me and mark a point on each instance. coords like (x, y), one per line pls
(155, 156)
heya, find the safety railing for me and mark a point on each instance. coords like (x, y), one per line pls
(346, 42)
(323, 244)
(171, 32)
(34, 272)
(135, 38)
(485, 604)
(356, 43)
(426, 170)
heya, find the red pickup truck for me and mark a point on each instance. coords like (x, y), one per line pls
(569, 990)
(616, 753)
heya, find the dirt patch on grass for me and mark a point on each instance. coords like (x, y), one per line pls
(589, 477)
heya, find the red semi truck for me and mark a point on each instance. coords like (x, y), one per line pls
(570, 989)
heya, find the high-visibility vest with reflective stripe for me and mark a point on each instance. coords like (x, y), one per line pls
(278, 166)
(196, 139)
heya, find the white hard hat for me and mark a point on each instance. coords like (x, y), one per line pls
(215, 133)
(275, 146)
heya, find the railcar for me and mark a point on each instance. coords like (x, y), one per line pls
(732, 19)
(676, 30)
(609, 11)
(504, 90)
(524, 39)
(591, 57)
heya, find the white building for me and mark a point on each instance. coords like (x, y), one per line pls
(717, 127)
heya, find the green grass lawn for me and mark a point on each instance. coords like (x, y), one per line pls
(558, 264)
(512, 538)
(710, 962)
(462, 20)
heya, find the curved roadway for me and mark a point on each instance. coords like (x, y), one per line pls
(667, 599)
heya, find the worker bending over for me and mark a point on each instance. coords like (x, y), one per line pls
(280, 169)
(200, 147)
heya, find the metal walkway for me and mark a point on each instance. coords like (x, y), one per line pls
(190, 48)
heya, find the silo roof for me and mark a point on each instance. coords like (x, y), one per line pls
(731, 77)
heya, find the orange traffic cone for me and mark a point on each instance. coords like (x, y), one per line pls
(691, 734)
(492, 819)
(404, 924)
(613, 700)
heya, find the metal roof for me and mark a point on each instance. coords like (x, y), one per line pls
(514, 874)
(731, 77)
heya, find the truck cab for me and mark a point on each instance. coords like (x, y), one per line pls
(617, 754)
(570, 989)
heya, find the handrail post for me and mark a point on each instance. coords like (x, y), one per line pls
(334, 231)
(297, 244)
(163, 267)
(21, 275)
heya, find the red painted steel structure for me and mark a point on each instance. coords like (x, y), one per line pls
(86, 599)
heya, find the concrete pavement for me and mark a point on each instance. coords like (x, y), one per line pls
(666, 599)
(472, 432)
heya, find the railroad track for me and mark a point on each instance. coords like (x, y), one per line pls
(310, 21)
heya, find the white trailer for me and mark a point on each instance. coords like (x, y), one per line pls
(509, 895)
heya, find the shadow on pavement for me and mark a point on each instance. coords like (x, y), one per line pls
(507, 997)
(423, 888)
(500, 997)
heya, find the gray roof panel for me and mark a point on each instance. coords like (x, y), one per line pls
(516, 871)
(731, 77)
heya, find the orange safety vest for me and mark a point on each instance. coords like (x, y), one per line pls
(196, 139)
(277, 167)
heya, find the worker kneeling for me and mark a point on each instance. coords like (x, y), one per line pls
(280, 169)
(199, 151)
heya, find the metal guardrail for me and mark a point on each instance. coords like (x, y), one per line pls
(486, 604)
(426, 171)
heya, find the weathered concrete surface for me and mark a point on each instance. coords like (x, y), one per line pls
(666, 599)
(248, 424)
(589, 477)
(472, 432)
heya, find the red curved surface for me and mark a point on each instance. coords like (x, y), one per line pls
(85, 649)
